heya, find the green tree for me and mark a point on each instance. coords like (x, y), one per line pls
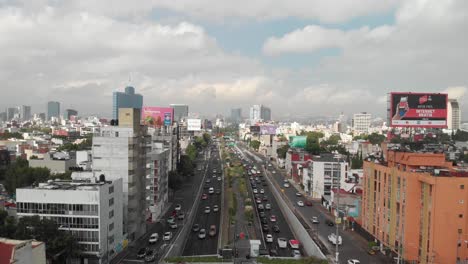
(7, 135)
(282, 151)
(191, 152)
(185, 166)
(357, 161)
(376, 139)
(460, 135)
(207, 138)
(255, 144)
(175, 180)
(312, 144)
(332, 140)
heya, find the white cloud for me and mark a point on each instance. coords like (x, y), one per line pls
(456, 92)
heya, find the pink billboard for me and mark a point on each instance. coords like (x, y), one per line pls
(157, 116)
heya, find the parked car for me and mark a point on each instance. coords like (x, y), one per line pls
(202, 234)
(196, 228)
(300, 203)
(167, 236)
(212, 232)
(153, 238)
(269, 238)
(142, 252)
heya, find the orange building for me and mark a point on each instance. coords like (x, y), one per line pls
(416, 205)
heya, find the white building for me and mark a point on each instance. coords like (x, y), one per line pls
(453, 114)
(22, 251)
(361, 122)
(324, 173)
(120, 152)
(89, 208)
(157, 181)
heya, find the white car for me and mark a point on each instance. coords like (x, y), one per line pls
(215, 208)
(273, 172)
(178, 207)
(353, 261)
(219, 178)
(262, 191)
(167, 236)
(153, 238)
(173, 226)
(282, 242)
(207, 210)
(315, 220)
(202, 234)
(268, 206)
(296, 254)
(211, 190)
(269, 238)
(300, 203)
(255, 191)
(286, 185)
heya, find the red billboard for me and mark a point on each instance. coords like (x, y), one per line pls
(418, 110)
(157, 116)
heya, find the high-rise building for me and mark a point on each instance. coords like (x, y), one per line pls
(3, 116)
(265, 113)
(361, 122)
(11, 112)
(68, 113)
(127, 99)
(180, 111)
(25, 112)
(89, 208)
(236, 115)
(415, 204)
(53, 110)
(453, 114)
(259, 113)
(120, 152)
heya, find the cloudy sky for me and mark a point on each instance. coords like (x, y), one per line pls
(318, 57)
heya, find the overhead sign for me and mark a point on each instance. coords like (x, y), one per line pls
(418, 110)
(157, 116)
(194, 124)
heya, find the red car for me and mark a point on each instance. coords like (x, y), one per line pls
(204, 196)
(273, 218)
(308, 203)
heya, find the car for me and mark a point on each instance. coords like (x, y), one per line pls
(371, 252)
(269, 165)
(212, 232)
(286, 185)
(282, 242)
(207, 181)
(254, 185)
(202, 234)
(204, 196)
(171, 220)
(219, 178)
(215, 208)
(178, 207)
(153, 238)
(206, 186)
(142, 252)
(269, 238)
(218, 191)
(329, 222)
(298, 194)
(173, 225)
(296, 253)
(255, 191)
(167, 236)
(261, 214)
(268, 206)
(276, 229)
(265, 198)
(273, 252)
(265, 228)
(214, 175)
(181, 216)
(207, 210)
(262, 191)
(263, 220)
(285, 181)
(259, 201)
(353, 261)
(196, 228)
(260, 207)
(315, 220)
(199, 169)
(273, 172)
(211, 190)
(273, 218)
(308, 203)
(150, 256)
(300, 203)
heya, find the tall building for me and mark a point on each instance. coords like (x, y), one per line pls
(68, 113)
(53, 110)
(180, 111)
(236, 115)
(361, 122)
(453, 114)
(25, 112)
(3, 116)
(87, 207)
(265, 113)
(11, 112)
(120, 152)
(415, 204)
(259, 113)
(127, 99)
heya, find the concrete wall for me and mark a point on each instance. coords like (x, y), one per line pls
(55, 166)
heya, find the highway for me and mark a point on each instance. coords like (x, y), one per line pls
(209, 245)
(285, 231)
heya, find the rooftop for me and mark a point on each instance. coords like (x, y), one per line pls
(78, 185)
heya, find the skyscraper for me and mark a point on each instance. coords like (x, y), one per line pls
(127, 99)
(260, 113)
(265, 113)
(180, 111)
(361, 122)
(53, 109)
(236, 115)
(11, 112)
(68, 113)
(453, 114)
(25, 112)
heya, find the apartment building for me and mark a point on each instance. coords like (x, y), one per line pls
(88, 206)
(416, 205)
(361, 122)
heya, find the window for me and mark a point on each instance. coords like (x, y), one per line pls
(111, 214)
(111, 189)
(111, 201)
(111, 227)
(462, 186)
(460, 215)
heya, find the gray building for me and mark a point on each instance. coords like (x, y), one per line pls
(265, 113)
(120, 152)
(127, 99)
(259, 113)
(3, 116)
(236, 115)
(11, 112)
(53, 110)
(68, 113)
(453, 115)
(25, 112)
(181, 111)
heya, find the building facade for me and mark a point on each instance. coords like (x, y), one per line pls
(120, 152)
(259, 113)
(453, 114)
(87, 207)
(53, 110)
(69, 113)
(236, 115)
(181, 111)
(361, 122)
(127, 99)
(25, 113)
(157, 187)
(415, 205)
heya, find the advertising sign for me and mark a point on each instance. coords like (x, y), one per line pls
(255, 129)
(157, 116)
(268, 130)
(418, 110)
(193, 124)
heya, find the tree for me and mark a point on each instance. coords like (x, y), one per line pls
(207, 138)
(191, 152)
(33, 157)
(460, 135)
(332, 140)
(255, 144)
(312, 144)
(7, 135)
(282, 151)
(175, 180)
(185, 166)
(357, 161)
(376, 139)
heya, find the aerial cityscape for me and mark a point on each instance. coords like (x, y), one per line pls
(202, 131)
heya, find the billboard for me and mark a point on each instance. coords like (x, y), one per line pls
(255, 129)
(157, 116)
(193, 124)
(418, 110)
(268, 130)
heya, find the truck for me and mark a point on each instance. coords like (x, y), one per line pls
(282, 242)
(332, 239)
